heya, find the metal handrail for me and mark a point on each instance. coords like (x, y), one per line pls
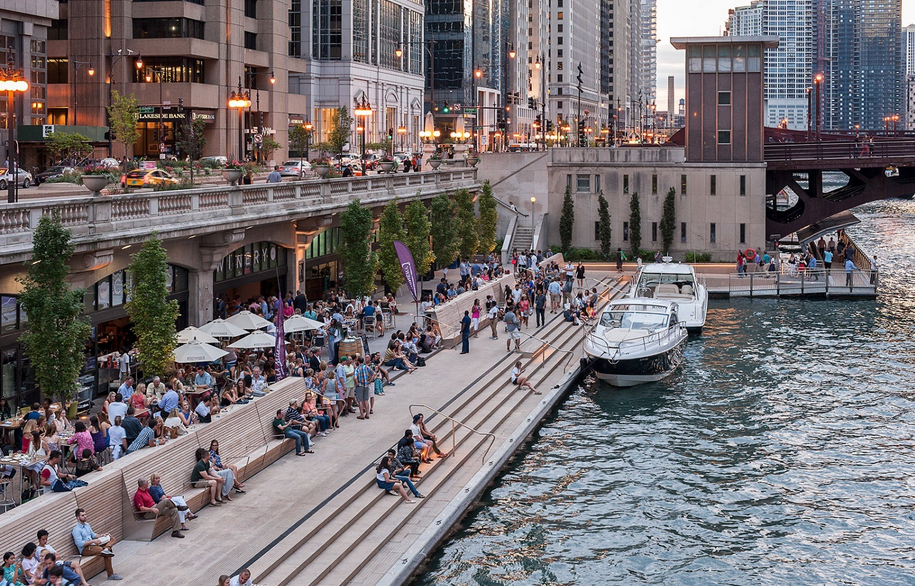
(492, 436)
(543, 354)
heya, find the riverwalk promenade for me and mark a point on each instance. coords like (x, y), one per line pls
(321, 519)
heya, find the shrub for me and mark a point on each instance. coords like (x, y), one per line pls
(693, 257)
(583, 254)
(173, 186)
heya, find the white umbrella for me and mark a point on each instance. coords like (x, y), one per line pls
(191, 333)
(197, 352)
(255, 340)
(247, 320)
(300, 323)
(220, 328)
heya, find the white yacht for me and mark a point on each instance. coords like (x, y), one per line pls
(636, 341)
(674, 282)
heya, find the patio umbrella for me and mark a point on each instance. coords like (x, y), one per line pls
(197, 351)
(300, 323)
(220, 328)
(191, 333)
(254, 340)
(247, 320)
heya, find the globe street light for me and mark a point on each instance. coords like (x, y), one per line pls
(240, 100)
(363, 109)
(76, 67)
(12, 81)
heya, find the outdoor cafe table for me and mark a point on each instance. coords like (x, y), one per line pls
(19, 461)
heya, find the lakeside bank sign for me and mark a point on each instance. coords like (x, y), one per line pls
(151, 114)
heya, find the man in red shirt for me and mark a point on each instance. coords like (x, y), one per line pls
(145, 504)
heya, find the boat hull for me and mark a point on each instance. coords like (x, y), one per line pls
(637, 371)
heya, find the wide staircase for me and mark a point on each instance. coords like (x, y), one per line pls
(360, 535)
(523, 237)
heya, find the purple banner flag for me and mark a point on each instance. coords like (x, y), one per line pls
(407, 266)
(279, 352)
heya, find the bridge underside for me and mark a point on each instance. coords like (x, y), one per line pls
(812, 204)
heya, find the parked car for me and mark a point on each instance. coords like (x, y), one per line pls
(217, 159)
(295, 169)
(24, 178)
(53, 173)
(148, 177)
(109, 162)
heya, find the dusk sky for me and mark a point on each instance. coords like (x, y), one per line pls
(692, 18)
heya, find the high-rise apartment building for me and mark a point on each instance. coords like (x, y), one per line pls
(908, 48)
(615, 55)
(908, 51)
(649, 54)
(574, 33)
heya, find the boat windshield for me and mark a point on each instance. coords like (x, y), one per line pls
(650, 280)
(635, 320)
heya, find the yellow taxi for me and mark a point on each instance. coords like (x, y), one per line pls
(150, 177)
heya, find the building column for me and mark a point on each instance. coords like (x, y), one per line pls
(213, 248)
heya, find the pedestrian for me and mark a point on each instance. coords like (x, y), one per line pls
(475, 316)
(620, 257)
(849, 269)
(494, 320)
(274, 176)
(514, 329)
(580, 274)
(827, 260)
(465, 333)
(540, 307)
(874, 270)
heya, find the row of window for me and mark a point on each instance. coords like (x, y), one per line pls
(713, 232)
(167, 28)
(583, 184)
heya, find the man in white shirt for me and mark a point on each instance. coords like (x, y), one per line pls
(118, 408)
(258, 382)
(124, 365)
(242, 579)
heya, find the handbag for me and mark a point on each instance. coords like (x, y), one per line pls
(420, 361)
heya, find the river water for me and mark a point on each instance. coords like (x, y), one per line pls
(781, 453)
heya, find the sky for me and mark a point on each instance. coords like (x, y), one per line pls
(700, 18)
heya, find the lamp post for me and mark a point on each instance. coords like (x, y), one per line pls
(12, 81)
(818, 82)
(533, 201)
(363, 109)
(76, 67)
(252, 79)
(477, 119)
(308, 128)
(240, 100)
(402, 131)
(540, 65)
(809, 110)
(160, 138)
(112, 59)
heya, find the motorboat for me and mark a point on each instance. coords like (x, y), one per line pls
(674, 282)
(636, 340)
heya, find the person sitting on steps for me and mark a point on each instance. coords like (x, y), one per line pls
(385, 480)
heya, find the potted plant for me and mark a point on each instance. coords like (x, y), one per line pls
(435, 161)
(321, 167)
(95, 178)
(387, 163)
(233, 172)
(472, 158)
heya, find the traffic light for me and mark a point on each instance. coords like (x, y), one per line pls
(446, 109)
(538, 121)
(582, 139)
(549, 126)
(390, 134)
(531, 104)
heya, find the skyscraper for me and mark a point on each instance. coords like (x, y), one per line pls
(908, 49)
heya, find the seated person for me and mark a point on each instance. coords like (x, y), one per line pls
(44, 550)
(312, 413)
(88, 543)
(204, 477)
(203, 379)
(82, 438)
(140, 402)
(420, 430)
(298, 421)
(376, 362)
(117, 438)
(217, 464)
(54, 572)
(229, 395)
(50, 473)
(150, 509)
(395, 358)
(175, 421)
(519, 379)
(30, 562)
(12, 571)
(386, 481)
(147, 438)
(158, 493)
(258, 382)
(132, 426)
(406, 453)
(186, 414)
(117, 407)
(410, 349)
(284, 428)
(86, 464)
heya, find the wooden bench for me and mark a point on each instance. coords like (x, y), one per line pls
(97, 499)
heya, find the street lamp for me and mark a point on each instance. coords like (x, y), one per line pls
(402, 131)
(252, 79)
(12, 81)
(76, 67)
(477, 75)
(160, 138)
(308, 128)
(818, 82)
(363, 109)
(541, 65)
(240, 100)
(427, 44)
(112, 59)
(533, 201)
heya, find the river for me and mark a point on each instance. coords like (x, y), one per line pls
(781, 453)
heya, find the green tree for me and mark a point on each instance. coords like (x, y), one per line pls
(489, 217)
(191, 140)
(123, 114)
(152, 315)
(299, 140)
(444, 231)
(390, 228)
(360, 263)
(566, 220)
(669, 219)
(340, 128)
(68, 145)
(416, 219)
(635, 224)
(468, 237)
(57, 331)
(268, 147)
(603, 227)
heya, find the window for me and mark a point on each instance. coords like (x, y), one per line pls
(625, 231)
(724, 137)
(251, 8)
(711, 233)
(327, 31)
(743, 185)
(559, 29)
(597, 230)
(583, 183)
(682, 231)
(682, 184)
(569, 182)
(559, 77)
(625, 183)
(654, 184)
(559, 105)
(559, 66)
(559, 16)
(713, 185)
(743, 233)
(58, 31)
(250, 40)
(58, 70)
(167, 28)
(559, 41)
(654, 231)
(724, 98)
(597, 184)
(559, 91)
(174, 70)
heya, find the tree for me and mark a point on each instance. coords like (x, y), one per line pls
(68, 145)
(566, 220)
(635, 224)
(340, 127)
(299, 139)
(416, 220)
(268, 147)
(489, 217)
(468, 237)
(153, 317)
(191, 140)
(603, 228)
(57, 331)
(669, 219)
(123, 114)
(444, 231)
(390, 228)
(360, 263)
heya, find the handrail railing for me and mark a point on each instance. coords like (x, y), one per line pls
(640, 341)
(492, 436)
(554, 347)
